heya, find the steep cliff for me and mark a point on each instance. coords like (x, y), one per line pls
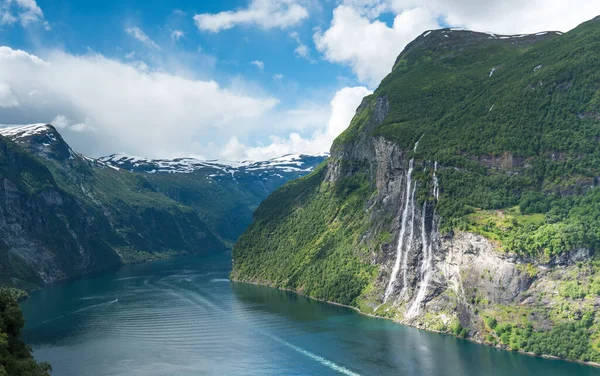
(462, 198)
(62, 214)
(225, 194)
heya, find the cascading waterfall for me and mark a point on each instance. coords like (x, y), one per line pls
(436, 187)
(411, 234)
(426, 265)
(409, 210)
(403, 223)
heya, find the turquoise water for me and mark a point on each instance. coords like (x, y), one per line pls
(183, 317)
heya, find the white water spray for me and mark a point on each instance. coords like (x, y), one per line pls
(425, 267)
(403, 222)
(401, 257)
(436, 187)
(411, 234)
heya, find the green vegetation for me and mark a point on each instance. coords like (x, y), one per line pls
(565, 340)
(79, 217)
(301, 236)
(525, 136)
(518, 157)
(15, 355)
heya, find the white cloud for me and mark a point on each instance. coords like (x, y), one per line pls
(259, 64)
(139, 34)
(302, 49)
(342, 109)
(177, 35)
(60, 121)
(508, 16)
(130, 55)
(357, 38)
(266, 14)
(278, 76)
(370, 47)
(151, 113)
(7, 98)
(26, 12)
(82, 127)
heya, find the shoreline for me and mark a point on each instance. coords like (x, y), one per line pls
(356, 309)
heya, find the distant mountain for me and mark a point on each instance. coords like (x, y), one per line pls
(462, 198)
(290, 165)
(63, 214)
(225, 194)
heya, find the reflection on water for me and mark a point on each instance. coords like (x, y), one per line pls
(183, 317)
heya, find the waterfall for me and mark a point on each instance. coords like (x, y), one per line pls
(425, 266)
(436, 187)
(411, 234)
(405, 212)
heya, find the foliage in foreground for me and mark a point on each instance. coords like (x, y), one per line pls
(15, 355)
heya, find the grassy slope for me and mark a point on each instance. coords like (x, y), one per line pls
(524, 140)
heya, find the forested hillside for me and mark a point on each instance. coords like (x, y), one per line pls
(462, 198)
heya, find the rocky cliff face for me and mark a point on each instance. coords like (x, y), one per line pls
(461, 198)
(63, 215)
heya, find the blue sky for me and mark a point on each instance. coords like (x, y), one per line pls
(231, 79)
(81, 25)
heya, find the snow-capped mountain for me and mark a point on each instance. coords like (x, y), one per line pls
(282, 167)
(224, 194)
(46, 141)
(41, 139)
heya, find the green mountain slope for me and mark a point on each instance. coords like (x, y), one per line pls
(224, 194)
(63, 214)
(462, 197)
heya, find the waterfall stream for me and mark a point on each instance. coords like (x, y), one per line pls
(411, 234)
(405, 213)
(426, 264)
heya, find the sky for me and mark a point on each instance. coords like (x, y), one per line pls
(227, 79)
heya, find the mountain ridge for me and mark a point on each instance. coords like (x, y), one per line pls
(64, 214)
(462, 198)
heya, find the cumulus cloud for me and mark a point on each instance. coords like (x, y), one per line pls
(7, 98)
(259, 64)
(342, 109)
(107, 106)
(302, 49)
(140, 35)
(266, 14)
(358, 38)
(26, 12)
(507, 16)
(370, 47)
(177, 35)
(62, 122)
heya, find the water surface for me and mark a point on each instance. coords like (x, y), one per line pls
(183, 317)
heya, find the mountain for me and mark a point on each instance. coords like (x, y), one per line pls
(225, 194)
(63, 214)
(462, 198)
